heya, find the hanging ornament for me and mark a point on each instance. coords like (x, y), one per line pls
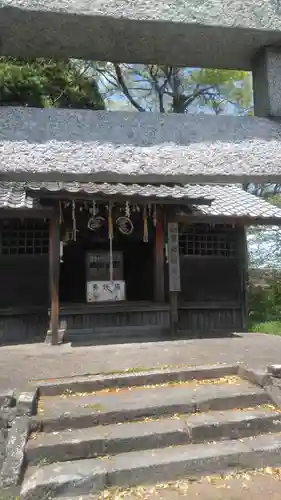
(74, 227)
(154, 216)
(127, 210)
(125, 225)
(61, 251)
(94, 209)
(96, 223)
(61, 213)
(110, 225)
(149, 209)
(145, 226)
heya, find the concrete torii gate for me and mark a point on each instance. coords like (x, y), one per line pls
(101, 146)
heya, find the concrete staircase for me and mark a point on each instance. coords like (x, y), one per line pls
(126, 429)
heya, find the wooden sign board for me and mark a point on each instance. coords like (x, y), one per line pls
(105, 291)
(173, 257)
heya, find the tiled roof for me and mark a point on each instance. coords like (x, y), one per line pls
(13, 195)
(227, 200)
(98, 146)
(129, 190)
(233, 201)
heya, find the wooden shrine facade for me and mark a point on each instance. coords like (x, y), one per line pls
(73, 263)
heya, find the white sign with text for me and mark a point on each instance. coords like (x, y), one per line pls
(105, 291)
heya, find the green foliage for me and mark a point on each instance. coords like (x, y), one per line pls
(47, 83)
(265, 301)
(272, 327)
(227, 86)
(274, 199)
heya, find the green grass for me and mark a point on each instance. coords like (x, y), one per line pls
(272, 327)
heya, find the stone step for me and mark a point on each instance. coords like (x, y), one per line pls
(113, 439)
(116, 330)
(116, 340)
(118, 334)
(93, 383)
(87, 410)
(89, 476)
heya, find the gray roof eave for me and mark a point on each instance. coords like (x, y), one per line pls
(98, 146)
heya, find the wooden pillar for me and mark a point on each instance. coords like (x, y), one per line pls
(243, 263)
(159, 259)
(174, 273)
(54, 274)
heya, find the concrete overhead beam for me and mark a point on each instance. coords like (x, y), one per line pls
(55, 144)
(206, 33)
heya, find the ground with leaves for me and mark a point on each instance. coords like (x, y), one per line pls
(262, 484)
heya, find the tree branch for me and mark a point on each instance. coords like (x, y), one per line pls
(125, 89)
(158, 89)
(198, 93)
(104, 73)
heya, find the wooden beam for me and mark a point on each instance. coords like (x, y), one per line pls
(174, 312)
(159, 259)
(54, 274)
(243, 264)
(222, 219)
(26, 213)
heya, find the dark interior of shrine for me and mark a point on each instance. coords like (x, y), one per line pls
(133, 256)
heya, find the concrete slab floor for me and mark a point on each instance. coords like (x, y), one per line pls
(21, 363)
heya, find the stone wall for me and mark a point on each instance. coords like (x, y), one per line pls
(7, 414)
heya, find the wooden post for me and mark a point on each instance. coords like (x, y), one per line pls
(243, 263)
(174, 272)
(159, 259)
(54, 273)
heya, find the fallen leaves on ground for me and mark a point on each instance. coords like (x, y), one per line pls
(230, 380)
(182, 486)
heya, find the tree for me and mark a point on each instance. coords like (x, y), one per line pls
(175, 90)
(264, 243)
(47, 83)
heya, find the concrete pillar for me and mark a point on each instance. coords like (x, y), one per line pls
(267, 83)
